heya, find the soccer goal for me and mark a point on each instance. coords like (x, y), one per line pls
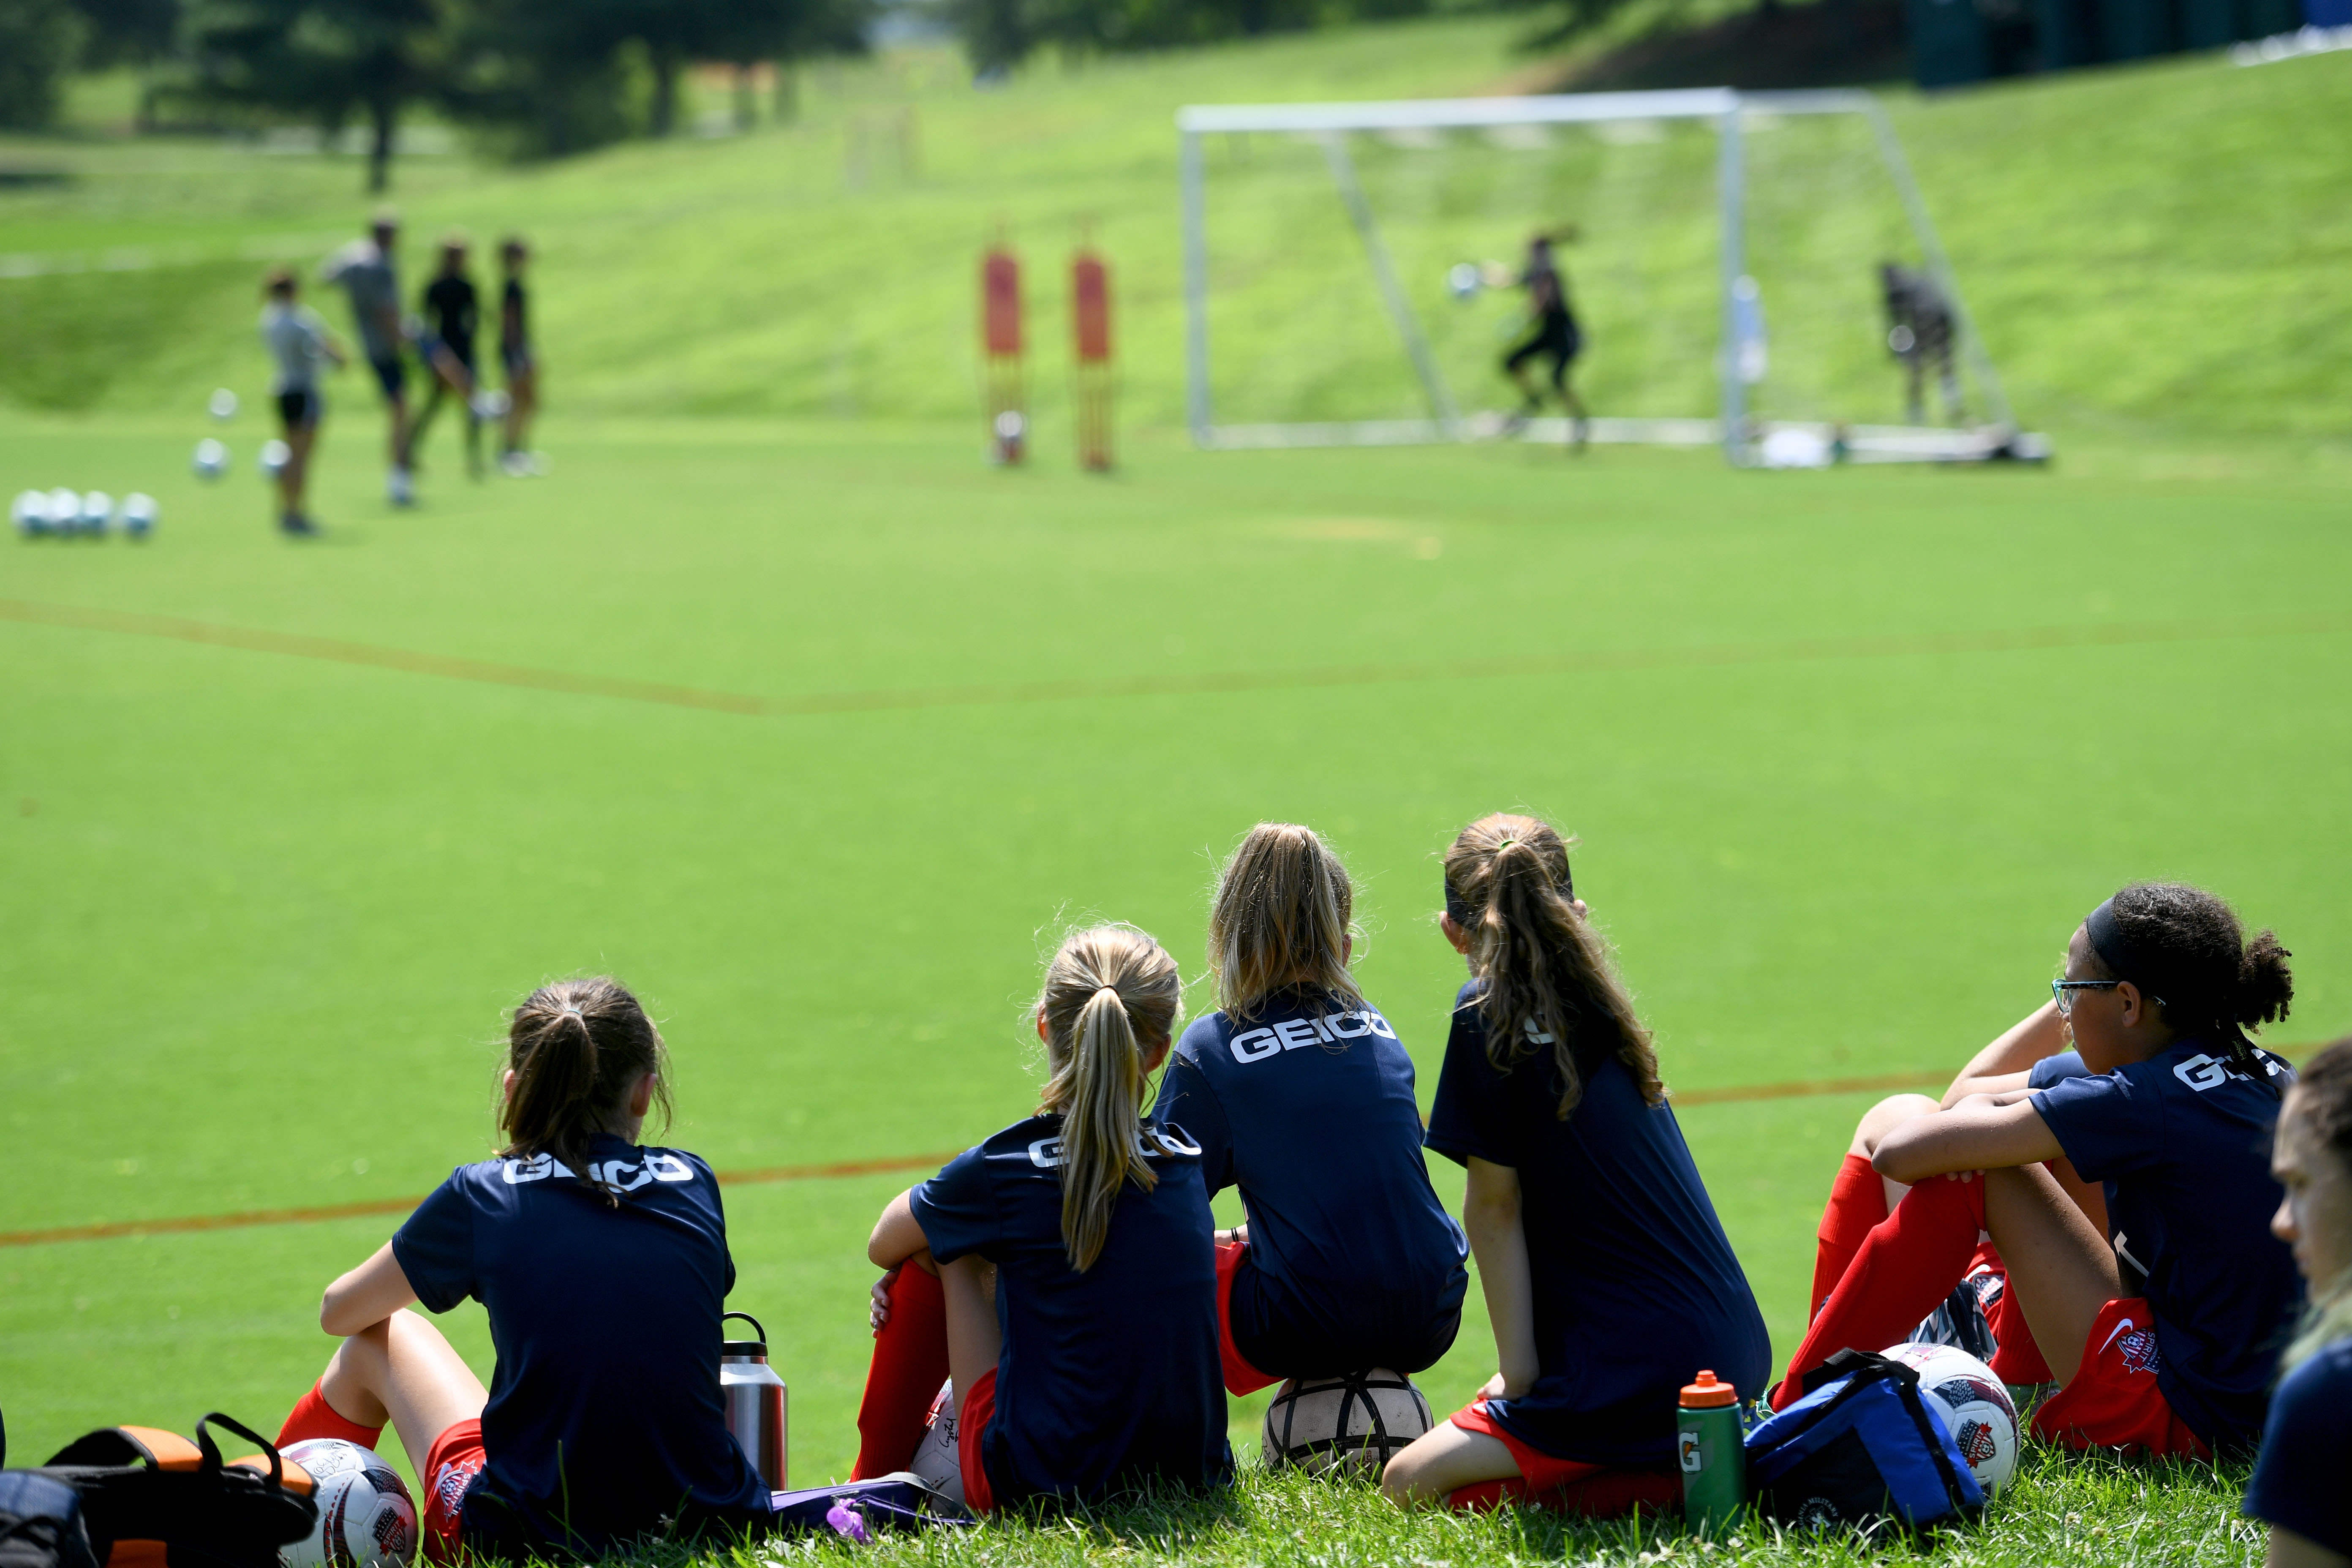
(1750, 270)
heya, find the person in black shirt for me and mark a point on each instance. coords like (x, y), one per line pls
(515, 354)
(452, 313)
(1552, 334)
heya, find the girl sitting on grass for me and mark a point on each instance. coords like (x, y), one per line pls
(2166, 1101)
(1299, 1093)
(1609, 1280)
(605, 1269)
(1061, 1269)
(2299, 1485)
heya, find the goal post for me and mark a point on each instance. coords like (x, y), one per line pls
(1737, 424)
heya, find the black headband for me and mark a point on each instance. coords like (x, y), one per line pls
(1458, 908)
(2114, 949)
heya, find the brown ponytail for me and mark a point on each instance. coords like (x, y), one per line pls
(1111, 994)
(576, 1048)
(1547, 973)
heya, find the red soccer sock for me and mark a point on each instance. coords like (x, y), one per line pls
(910, 1361)
(1906, 1269)
(1857, 1205)
(312, 1416)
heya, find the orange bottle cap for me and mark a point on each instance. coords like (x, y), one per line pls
(1706, 1394)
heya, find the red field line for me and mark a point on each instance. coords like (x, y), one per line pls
(2014, 639)
(179, 1224)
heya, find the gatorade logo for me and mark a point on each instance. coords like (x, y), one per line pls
(1338, 1029)
(1694, 1460)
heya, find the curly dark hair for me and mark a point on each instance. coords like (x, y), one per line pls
(2195, 959)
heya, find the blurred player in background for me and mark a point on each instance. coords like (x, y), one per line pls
(365, 270)
(514, 353)
(297, 342)
(452, 316)
(1552, 334)
(1919, 336)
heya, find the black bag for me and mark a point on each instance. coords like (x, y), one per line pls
(151, 1499)
(40, 1523)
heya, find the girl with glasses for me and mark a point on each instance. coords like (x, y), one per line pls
(2162, 1328)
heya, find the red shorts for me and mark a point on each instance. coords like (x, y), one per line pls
(1240, 1376)
(979, 1408)
(2114, 1401)
(456, 1458)
(1566, 1486)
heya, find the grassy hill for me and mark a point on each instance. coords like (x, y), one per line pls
(2150, 251)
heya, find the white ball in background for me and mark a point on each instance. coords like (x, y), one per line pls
(30, 513)
(211, 460)
(138, 514)
(97, 512)
(274, 456)
(222, 403)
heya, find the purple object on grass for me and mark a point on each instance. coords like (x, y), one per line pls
(845, 1519)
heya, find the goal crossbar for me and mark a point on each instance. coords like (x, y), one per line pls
(1732, 428)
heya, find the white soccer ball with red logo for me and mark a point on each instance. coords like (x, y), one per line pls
(1976, 1408)
(366, 1518)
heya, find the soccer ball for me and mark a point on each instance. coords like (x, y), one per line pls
(138, 514)
(489, 403)
(97, 507)
(222, 403)
(30, 513)
(274, 456)
(1364, 1419)
(1463, 281)
(64, 511)
(1976, 1408)
(937, 1462)
(366, 1519)
(211, 460)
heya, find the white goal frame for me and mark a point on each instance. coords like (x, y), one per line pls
(1741, 436)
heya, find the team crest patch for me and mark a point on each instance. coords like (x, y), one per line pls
(2138, 1350)
(1975, 1441)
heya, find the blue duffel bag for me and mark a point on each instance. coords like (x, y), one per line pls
(1860, 1447)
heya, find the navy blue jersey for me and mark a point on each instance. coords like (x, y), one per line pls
(2182, 1143)
(2055, 1068)
(1111, 1377)
(604, 1417)
(1310, 1110)
(1636, 1288)
(2303, 1480)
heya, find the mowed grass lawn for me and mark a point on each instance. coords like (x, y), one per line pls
(1850, 751)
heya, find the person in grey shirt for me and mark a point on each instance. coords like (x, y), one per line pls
(298, 344)
(365, 269)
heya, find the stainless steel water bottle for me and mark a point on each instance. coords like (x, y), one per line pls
(1714, 1450)
(758, 1403)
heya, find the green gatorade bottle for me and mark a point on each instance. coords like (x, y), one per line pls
(1714, 1455)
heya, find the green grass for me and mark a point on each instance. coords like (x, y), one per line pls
(1850, 751)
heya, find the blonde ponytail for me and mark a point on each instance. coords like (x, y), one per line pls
(1111, 994)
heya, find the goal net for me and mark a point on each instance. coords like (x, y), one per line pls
(1352, 276)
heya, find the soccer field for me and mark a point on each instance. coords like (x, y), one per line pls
(817, 734)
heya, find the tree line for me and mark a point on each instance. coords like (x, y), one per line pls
(545, 78)
(535, 77)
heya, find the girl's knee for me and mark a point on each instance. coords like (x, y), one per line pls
(1884, 1117)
